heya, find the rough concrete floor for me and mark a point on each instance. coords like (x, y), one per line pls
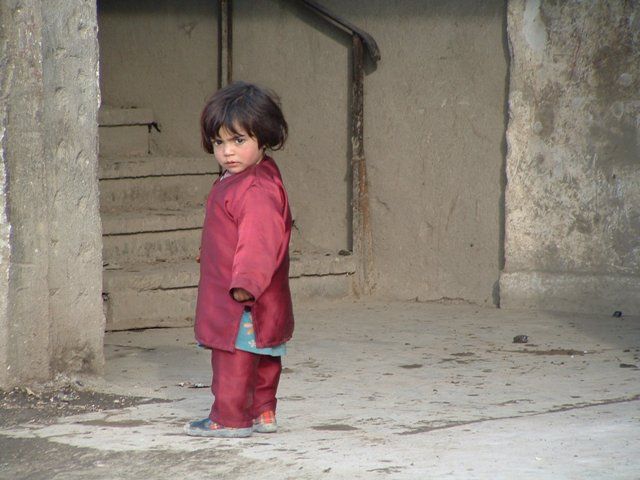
(371, 390)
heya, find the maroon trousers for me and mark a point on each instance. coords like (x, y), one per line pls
(244, 385)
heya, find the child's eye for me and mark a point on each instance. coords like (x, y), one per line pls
(217, 141)
(240, 140)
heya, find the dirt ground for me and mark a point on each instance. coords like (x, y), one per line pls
(369, 390)
(42, 459)
(43, 404)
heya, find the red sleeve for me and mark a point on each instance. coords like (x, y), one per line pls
(261, 230)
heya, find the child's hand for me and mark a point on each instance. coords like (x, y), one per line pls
(241, 295)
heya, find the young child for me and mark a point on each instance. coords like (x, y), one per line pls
(244, 312)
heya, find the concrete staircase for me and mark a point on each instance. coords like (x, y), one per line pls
(152, 210)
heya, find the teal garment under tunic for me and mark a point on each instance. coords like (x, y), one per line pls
(246, 339)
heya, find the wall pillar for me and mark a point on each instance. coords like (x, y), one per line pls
(573, 163)
(24, 320)
(51, 315)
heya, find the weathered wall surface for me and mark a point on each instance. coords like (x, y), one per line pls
(50, 288)
(434, 128)
(281, 45)
(160, 55)
(71, 98)
(435, 123)
(25, 328)
(573, 197)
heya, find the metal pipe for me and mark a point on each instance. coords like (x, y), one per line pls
(225, 50)
(369, 42)
(361, 221)
(362, 242)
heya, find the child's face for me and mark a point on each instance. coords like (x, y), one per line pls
(236, 152)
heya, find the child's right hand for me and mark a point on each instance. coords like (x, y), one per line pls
(241, 295)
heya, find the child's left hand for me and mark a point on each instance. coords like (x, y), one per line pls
(241, 295)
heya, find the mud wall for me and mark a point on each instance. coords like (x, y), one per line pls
(573, 197)
(279, 44)
(162, 55)
(50, 281)
(434, 133)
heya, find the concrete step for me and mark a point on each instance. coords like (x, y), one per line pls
(146, 221)
(321, 275)
(151, 235)
(129, 140)
(155, 166)
(122, 249)
(124, 131)
(129, 236)
(110, 116)
(151, 276)
(320, 264)
(163, 294)
(154, 182)
(150, 295)
(154, 192)
(185, 274)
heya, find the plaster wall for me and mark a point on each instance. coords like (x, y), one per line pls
(281, 45)
(161, 55)
(50, 280)
(434, 133)
(573, 197)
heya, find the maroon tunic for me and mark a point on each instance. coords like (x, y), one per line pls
(245, 244)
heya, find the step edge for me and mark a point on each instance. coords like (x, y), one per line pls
(151, 221)
(114, 116)
(185, 274)
(115, 168)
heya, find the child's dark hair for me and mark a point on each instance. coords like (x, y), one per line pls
(243, 105)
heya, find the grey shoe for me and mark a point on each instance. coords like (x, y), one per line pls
(208, 428)
(266, 423)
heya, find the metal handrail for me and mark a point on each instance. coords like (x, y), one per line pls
(368, 41)
(362, 236)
